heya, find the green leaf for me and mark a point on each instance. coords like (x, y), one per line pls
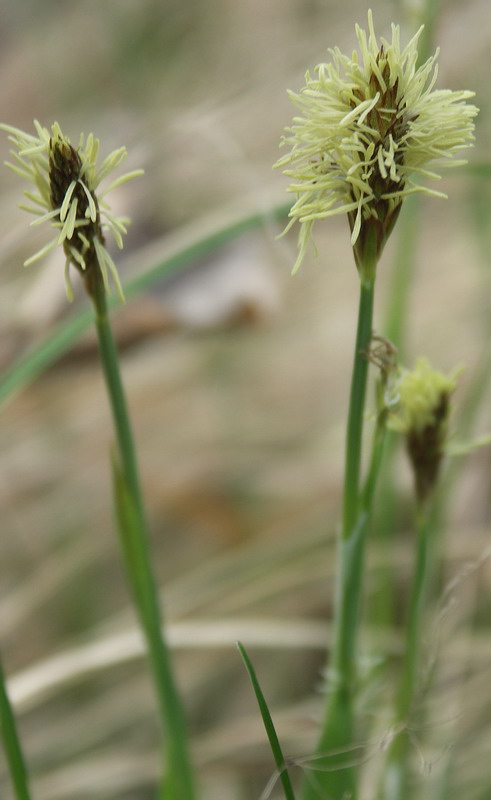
(11, 743)
(269, 725)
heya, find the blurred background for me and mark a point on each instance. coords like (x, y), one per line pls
(237, 377)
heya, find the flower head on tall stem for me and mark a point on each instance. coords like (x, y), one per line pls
(65, 182)
(370, 125)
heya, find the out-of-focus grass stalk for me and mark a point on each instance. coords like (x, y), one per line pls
(378, 449)
(479, 198)
(336, 774)
(397, 766)
(178, 783)
(274, 742)
(429, 18)
(382, 601)
(395, 778)
(11, 744)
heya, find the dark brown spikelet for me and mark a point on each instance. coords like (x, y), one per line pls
(65, 166)
(387, 120)
(425, 449)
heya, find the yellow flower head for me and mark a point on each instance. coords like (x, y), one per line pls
(65, 182)
(369, 125)
(421, 399)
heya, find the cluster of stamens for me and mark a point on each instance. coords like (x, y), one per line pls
(371, 126)
(67, 194)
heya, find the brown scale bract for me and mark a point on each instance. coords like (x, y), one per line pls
(425, 449)
(385, 120)
(65, 166)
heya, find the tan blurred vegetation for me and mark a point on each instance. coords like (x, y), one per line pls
(237, 376)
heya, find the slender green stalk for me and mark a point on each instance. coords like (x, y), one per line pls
(378, 446)
(430, 14)
(11, 744)
(356, 409)
(396, 773)
(269, 726)
(335, 774)
(178, 783)
(402, 273)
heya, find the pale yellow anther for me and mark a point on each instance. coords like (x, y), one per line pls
(79, 208)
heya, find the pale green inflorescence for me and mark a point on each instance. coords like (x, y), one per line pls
(65, 181)
(420, 405)
(370, 125)
(418, 396)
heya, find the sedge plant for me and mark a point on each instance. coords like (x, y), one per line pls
(370, 127)
(66, 194)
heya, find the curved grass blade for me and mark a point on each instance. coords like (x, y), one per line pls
(34, 363)
(11, 744)
(269, 725)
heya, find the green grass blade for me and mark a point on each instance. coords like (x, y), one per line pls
(11, 744)
(34, 363)
(269, 726)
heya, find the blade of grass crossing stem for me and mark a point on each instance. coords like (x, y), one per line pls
(179, 781)
(269, 726)
(34, 363)
(11, 744)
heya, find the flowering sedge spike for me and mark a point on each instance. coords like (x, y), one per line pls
(421, 398)
(65, 180)
(370, 124)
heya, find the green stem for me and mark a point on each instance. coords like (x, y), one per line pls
(178, 783)
(11, 744)
(356, 409)
(335, 774)
(396, 775)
